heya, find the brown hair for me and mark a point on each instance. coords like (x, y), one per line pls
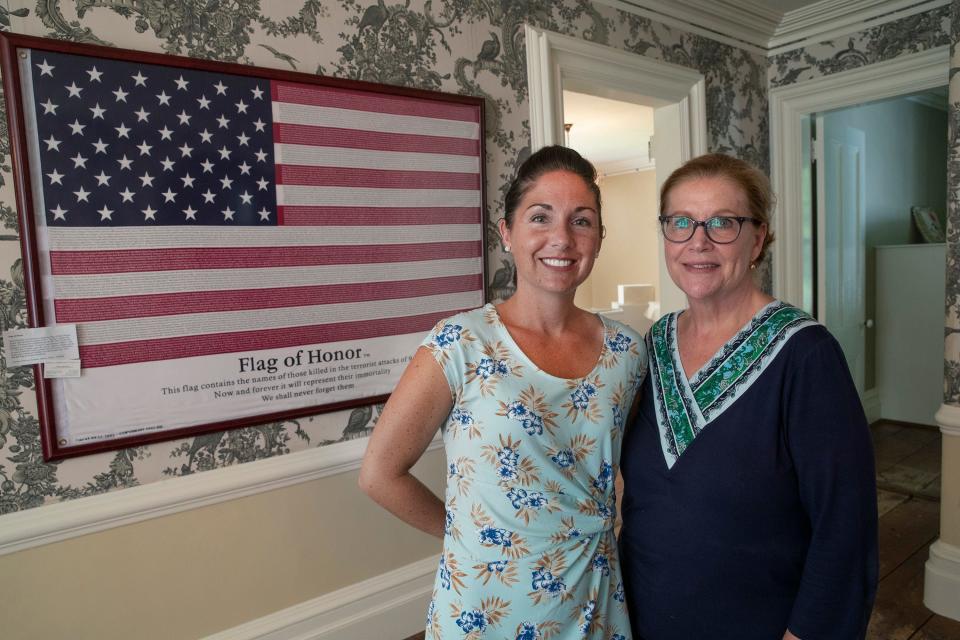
(753, 182)
(547, 159)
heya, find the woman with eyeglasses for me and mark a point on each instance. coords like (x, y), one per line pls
(749, 508)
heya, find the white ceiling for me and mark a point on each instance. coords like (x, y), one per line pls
(609, 133)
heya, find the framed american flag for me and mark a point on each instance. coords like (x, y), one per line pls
(235, 245)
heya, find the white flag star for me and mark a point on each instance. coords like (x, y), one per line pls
(188, 180)
(204, 103)
(149, 213)
(105, 213)
(185, 150)
(165, 133)
(226, 182)
(163, 98)
(74, 90)
(246, 197)
(205, 136)
(79, 161)
(122, 131)
(224, 153)
(55, 177)
(49, 107)
(124, 162)
(169, 195)
(82, 195)
(59, 213)
(207, 166)
(264, 214)
(184, 117)
(52, 143)
(208, 196)
(261, 155)
(97, 111)
(228, 213)
(103, 179)
(221, 88)
(190, 212)
(94, 74)
(77, 128)
(127, 195)
(241, 107)
(146, 180)
(244, 168)
(140, 80)
(259, 124)
(144, 148)
(167, 164)
(142, 115)
(263, 184)
(99, 146)
(257, 93)
(46, 69)
(243, 138)
(121, 94)
(223, 120)
(181, 83)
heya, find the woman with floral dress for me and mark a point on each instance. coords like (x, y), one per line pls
(531, 396)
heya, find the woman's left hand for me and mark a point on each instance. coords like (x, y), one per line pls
(789, 636)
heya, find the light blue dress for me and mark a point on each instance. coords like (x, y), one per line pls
(529, 551)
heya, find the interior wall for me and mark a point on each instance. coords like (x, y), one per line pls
(629, 252)
(906, 165)
(122, 574)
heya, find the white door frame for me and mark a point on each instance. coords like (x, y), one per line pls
(555, 62)
(789, 105)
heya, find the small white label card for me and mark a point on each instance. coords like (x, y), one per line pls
(30, 346)
(61, 369)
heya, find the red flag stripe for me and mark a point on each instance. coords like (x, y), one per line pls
(361, 101)
(106, 355)
(376, 216)
(135, 260)
(374, 140)
(144, 306)
(374, 178)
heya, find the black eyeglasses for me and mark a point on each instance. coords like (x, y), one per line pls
(719, 229)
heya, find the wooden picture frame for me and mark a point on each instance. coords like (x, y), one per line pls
(236, 245)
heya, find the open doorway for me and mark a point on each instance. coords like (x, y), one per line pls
(876, 220)
(616, 136)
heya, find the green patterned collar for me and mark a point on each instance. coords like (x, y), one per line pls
(684, 407)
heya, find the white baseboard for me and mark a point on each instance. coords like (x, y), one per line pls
(948, 417)
(390, 606)
(941, 584)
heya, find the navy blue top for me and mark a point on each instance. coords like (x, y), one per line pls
(768, 519)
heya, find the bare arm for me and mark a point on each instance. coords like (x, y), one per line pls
(411, 417)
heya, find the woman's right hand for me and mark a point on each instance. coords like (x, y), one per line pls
(416, 409)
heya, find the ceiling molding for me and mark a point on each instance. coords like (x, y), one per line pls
(750, 25)
(634, 164)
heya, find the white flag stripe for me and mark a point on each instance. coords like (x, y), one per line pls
(288, 113)
(94, 238)
(300, 154)
(134, 284)
(153, 328)
(296, 195)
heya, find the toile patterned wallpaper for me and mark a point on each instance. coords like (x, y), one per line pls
(461, 46)
(951, 377)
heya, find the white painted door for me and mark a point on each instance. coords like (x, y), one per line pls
(841, 169)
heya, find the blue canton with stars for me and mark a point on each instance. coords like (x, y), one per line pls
(128, 144)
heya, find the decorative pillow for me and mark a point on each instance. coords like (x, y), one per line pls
(928, 224)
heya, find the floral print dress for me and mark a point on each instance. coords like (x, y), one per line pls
(529, 551)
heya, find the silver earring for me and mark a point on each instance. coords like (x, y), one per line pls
(507, 249)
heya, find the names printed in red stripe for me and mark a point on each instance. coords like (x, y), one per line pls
(339, 98)
(375, 178)
(163, 304)
(143, 260)
(377, 216)
(372, 140)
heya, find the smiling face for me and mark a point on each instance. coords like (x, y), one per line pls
(705, 270)
(555, 233)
